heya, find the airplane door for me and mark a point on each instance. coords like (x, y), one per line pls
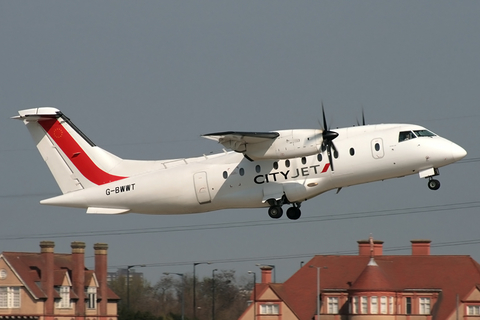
(201, 187)
(377, 148)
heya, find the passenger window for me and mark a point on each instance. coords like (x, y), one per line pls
(275, 165)
(319, 157)
(258, 168)
(225, 175)
(287, 163)
(304, 160)
(377, 146)
(406, 135)
(352, 151)
(335, 154)
(242, 171)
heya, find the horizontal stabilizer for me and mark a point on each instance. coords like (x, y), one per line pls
(97, 210)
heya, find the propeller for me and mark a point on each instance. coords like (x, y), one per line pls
(327, 139)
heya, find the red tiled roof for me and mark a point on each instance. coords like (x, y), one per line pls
(450, 274)
(29, 267)
(372, 278)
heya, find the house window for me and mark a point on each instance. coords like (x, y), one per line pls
(269, 309)
(91, 298)
(473, 310)
(364, 305)
(390, 305)
(424, 305)
(64, 301)
(408, 305)
(374, 305)
(332, 305)
(383, 305)
(355, 305)
(10, 297)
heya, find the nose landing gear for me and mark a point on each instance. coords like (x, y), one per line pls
(433, 184)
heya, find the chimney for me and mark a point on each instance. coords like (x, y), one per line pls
(46, 251)
(101, 273)
(364, 247)
(78, 275)
(420, 247)
(266, 274)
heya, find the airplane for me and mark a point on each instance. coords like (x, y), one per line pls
(262, 169)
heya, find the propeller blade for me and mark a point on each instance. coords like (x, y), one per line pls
(334, 148)
(324, 118)
(329, 153)
(327, 139)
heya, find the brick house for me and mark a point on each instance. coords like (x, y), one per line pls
(50, 285)
(371, 285)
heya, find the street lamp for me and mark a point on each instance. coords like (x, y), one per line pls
(128, 282)
(318, 289)
(194, 283)
(254, 294)
(273, 267)
(183, 290)
(213, 294)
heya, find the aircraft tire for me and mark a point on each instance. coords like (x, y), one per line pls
(433, 184)
(293, 213)
(275, 212)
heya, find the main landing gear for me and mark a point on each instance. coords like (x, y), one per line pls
(275, 211)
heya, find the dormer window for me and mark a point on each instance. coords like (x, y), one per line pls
(91, 297)
(64, 301)
(270, 308)
(424, 306)
(332, 305)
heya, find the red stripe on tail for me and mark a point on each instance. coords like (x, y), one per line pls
(76, 154)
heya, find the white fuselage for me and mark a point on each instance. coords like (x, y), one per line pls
(229, 180)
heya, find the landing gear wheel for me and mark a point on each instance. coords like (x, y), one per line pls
(275, 212)
(293, 213)
(433, 184)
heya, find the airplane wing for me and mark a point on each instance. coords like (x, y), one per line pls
(237, 140)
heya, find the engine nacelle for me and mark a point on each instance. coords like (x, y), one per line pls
(289, 144)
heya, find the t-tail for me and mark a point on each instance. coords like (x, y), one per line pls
(74, 160)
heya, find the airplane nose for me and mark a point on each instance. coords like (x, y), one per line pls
(458, 152)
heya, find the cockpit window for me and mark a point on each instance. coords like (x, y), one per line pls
(406, 135)
(424, 133)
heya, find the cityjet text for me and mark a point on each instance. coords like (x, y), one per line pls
(275, 176)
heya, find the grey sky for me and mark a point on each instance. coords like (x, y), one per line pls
(144, 79)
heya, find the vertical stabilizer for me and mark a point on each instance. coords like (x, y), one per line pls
(74, 160)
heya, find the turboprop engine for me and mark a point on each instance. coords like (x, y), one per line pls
(288, 144)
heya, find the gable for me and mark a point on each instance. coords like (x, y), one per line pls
(61, 278)
(474, 295)
(268, 295)
(11, 278)
(91, 280)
